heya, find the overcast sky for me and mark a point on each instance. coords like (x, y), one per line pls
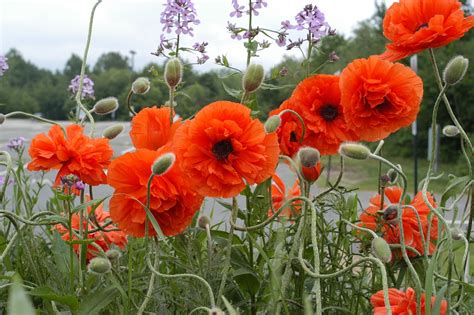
(47, 32)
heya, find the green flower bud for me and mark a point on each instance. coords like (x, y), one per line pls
(99, 265)
(308, 157)
(381, 249)
(450, 131)
(455, 70)
(173, 72)
(141, 86)
(113, 131)
(216, 311)
(272, 123)
(354, 151)
(253, 78)
(113, 254)
(393, 175)
(106, 106)
(203, 221)
(163, 164)
(456, 234)
(2, 118)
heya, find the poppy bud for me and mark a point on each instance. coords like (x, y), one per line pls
(381, 249)
(106, 106)
(163, 164)
(456, 234)
(311, 174)
(112, 131)
(390, 214)
(455, 70)
(384, 180)
(272, 124)
(393, 175)
(173, 72)
(2, 118)
(204, 221)
(141, 86)
(216, 311)
(113, 254)
(253, 78)
(99, 265)
(450, 131)
(308, 157)
(354, 151)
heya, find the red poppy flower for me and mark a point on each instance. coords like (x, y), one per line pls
(416, 25)
(379, 97)
(318, 100)
(402, 303)
(77, 154)
(384, 222)
(222, 149)
(172, 203)
(280, 196)
(311, 174)
(102, 238)
(151, 128)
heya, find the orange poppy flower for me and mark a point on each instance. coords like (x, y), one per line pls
(416, 25)
(379, 97)
(102, 238)
(222, 149)
(77, 154)
(384, 222)
(318, 100)
(311, 174)
(172, 203)
(280, 196)
(151, 128)
(402, 303)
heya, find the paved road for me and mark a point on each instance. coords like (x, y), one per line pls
(28, 129)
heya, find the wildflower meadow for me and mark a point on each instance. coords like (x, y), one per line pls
(229, 209)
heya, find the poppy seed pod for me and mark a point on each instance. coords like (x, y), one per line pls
(456, 234)
(253, 78)
(308, 157)
(393, 175)
(2, 118)
(113, 254)
(163, 164)
(141, 86)
(204, 221)
(381, 249)
(173, 72)
(455, 70)
(272, 124)
(106, 106)
(113, 131)
(99, 265)
(450, 131)
(354, 151)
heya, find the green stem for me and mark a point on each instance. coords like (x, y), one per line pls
(151, 284)
(249, 41)
(129, 103)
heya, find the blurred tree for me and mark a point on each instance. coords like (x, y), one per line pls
(111, 60)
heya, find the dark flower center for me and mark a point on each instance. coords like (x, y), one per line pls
(222, 149)
(293, 137)
(421, 26)
(329, 112)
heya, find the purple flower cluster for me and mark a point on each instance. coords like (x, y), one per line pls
(3, 65)
(16, 143)
(240, 10)
(87, 87)
(179, 15)
(72, 181)
(201, 48)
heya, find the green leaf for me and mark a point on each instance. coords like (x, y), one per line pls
(247, 280)
(232, 92)
(18, 301)
(47, 293)
(94, 203)
(453, 188)
(97, 301)
(230, 309)
(268, 86)
(439, 299)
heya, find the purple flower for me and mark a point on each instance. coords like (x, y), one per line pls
(16, 143)
(87, 87)
(281, 40)
(333, 57)
(200, 47)
(234, 30)
(238, 9)
(3, 65)
(179, 15)
(202, 59)
(79, 185)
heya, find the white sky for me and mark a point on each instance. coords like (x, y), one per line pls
(46, 32)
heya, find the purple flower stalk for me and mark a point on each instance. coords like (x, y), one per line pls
(202, 59)
(179, 16)
(3, 65)
(16, 143)
(87, 87)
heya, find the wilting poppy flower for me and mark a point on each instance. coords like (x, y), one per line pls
(379, 97)
(382, 219)
(415, 25)
(172, 203)
(280, 195)
(222, 149)
(151, 128)
(75, 154)
(318, 100)
(102, 238)
(402, 303)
